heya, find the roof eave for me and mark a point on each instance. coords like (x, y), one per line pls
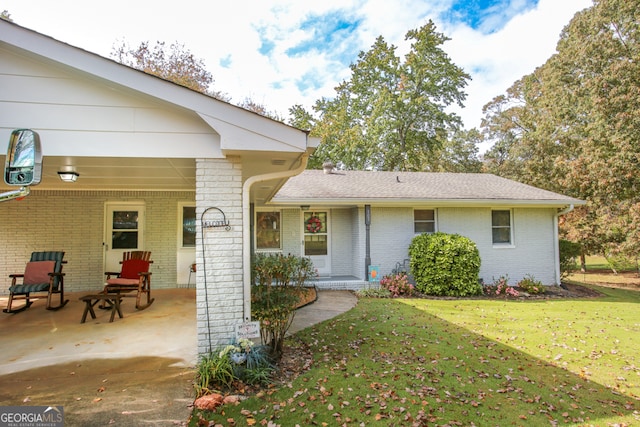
(388, 202)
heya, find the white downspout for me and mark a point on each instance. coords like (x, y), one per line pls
(246, 226)
(556, 241)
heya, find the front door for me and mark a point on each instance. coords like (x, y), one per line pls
(124, 232)
(316, 240)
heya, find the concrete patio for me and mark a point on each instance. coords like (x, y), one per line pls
(135, 371)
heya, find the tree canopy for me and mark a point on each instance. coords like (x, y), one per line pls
(174, 63)
(573, 126)
(391, 114)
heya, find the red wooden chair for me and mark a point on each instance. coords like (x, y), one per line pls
(133, 277)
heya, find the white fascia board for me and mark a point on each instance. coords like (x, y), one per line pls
(240, 126)
(234, 138)
(428, 202)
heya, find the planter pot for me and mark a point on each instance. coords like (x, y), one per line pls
(238, 358)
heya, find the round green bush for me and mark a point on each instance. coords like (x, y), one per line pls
(445, 265)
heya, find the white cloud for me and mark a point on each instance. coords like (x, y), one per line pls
(219, 32)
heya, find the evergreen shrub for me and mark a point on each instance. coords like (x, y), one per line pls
(445, 265)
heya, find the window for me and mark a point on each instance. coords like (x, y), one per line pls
(188, 226)
(267, 230)
(424, 221)
(501, 227)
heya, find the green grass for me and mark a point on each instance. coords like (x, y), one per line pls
(463, 362)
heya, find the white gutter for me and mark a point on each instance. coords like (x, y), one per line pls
(556, 241)
(246, 226)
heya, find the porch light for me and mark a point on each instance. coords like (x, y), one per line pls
(68, 176)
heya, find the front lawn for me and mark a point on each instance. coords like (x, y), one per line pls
(462, 362)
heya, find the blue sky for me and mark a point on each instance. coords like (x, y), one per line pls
(286, 52)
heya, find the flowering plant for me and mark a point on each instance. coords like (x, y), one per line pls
(242, 346)
(530, 285)
(397, 284)
(501, 287)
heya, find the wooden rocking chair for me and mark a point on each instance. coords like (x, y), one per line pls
(43, 273)
(133, 277)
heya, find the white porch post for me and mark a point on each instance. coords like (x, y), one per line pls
(219, 284)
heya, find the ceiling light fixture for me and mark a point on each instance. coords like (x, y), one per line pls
(68, 176)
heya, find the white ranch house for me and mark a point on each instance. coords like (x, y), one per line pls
(197, 178)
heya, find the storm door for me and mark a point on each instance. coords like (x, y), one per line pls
(316, 242)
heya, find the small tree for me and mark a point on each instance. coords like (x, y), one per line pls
(569, 253)
(445, 264)
(275, 294)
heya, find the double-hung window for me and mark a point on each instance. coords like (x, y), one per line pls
(501, 227)
(424, 221)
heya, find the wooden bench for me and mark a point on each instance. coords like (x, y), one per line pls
(112, 300)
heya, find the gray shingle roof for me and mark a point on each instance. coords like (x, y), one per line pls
(314, 187)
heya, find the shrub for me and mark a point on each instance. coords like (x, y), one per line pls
(569, 253)
(530, 285)
(218, 371)
(501, 287)
(445, 264)
(397, 285)
(277, 280)
(373, 293)
(618, 261)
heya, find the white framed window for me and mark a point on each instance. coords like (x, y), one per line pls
(268, 230)
(424, 221)
(502, 227)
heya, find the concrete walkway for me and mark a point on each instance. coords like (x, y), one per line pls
(135, 371)
(328, 305)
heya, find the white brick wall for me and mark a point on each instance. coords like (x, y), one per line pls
(218, 252)
(73, 222)
(341, 242)
(391, 234)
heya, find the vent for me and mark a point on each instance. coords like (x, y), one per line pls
(277, 162)
(328, 167)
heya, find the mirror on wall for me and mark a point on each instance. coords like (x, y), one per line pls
(23, 165)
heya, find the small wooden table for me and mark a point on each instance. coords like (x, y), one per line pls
(111, 299)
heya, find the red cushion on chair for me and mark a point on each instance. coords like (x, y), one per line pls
(37, 272)
(131, 268)
(123, 281)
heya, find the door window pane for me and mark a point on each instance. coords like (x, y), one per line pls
(125, 230)
(315, 222)
(315, 245)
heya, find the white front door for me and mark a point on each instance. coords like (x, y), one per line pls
(124, 232)
(316, 242)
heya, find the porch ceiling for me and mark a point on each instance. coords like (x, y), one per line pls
(118, 173)
(152, 174)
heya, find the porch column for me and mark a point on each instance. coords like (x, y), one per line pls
(219, 294)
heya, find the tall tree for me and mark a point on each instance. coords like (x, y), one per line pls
(574, 125)
(391, 114)
(174, 63)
